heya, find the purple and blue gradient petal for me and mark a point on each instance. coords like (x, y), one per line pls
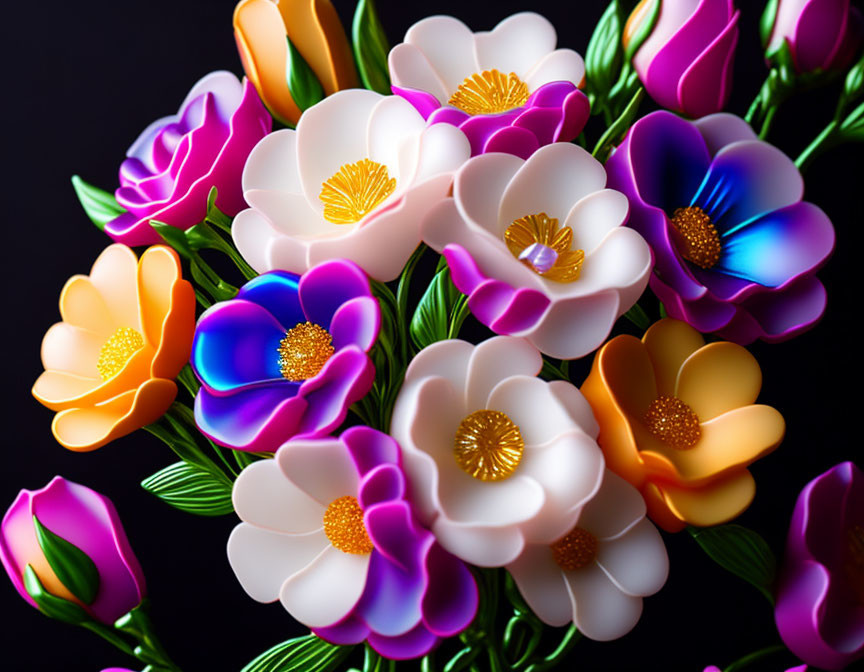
(277, 292)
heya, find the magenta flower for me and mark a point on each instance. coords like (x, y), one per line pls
(509, 90)
(327, 530)
(735, 248)
(821, 34)
(88, 521)
(820, 598)
(175, 162)
(287, 356)
(686, 62)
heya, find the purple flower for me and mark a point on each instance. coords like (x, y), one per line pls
(736, 249)
(820, 599)
(175, 162)
(821, 34)
(509, 90)
(88, 521)
(287, 356)
(686, 61)
(327, 530)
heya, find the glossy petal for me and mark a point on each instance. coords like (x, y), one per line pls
(542, 585)
(717, 378)
(636, 561)
(600, 610)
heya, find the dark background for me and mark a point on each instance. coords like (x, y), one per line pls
(86, 79)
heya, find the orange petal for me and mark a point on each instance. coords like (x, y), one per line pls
(113, 275)
(71, 350)
(81, 305)
(628, 374)
(713, 504)
(659, 511)
(718, 378)
(669, 343)
(84, 429)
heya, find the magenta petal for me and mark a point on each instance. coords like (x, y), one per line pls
(370, 448)
(464, 272)
(384, 483)
(524, 311)
(577, 111)
(542, 122)
(351, 630)
(705, 316)
(418, 642)
(448, 576)
(479, 129)
(705, 86)
(449, 115)
(512, 140)
(324, 288)
(552, 94)
(425, 103)
(490, 299)
(819, 33)
(356, 322)
(782, 315)
(396, 535)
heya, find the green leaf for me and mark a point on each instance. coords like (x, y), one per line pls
(431, 320)
(173, 237)
(51, 605)
(370, 48)
(643, 31)
(603, 57)
(617, 130)
(853, 86)
(100, 206)
(304, 86)
(638, 317)
(189, 488)
(766, 23)
(742, 552)
(73, 567)
(302, 654)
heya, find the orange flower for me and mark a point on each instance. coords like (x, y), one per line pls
(126, 332)
(313, 26)
(677, 420)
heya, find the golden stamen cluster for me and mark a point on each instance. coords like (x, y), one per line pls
(490, 92)
(304, 351)
(542, 229)
(117, 350)
(673, 422)
(355, 190)
(344, 526)
(488, 445)
(575, 550)
(699, 241)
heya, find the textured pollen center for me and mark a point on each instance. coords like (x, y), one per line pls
(354, 191)
(855, 561)
(304, 351)
(488, 446)
(344, 527)
(673, 422)
(117, 350)
(699, 242)
(490, 92)
(539, 243)
(575, 550)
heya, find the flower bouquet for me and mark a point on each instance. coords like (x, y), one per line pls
(455, 329)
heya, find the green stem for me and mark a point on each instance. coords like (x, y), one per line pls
(619, 127)
(747, 660)
(568, 641)
(820, 143)
(137, 624)
(768, 122)
(231, 252)
(109, 636)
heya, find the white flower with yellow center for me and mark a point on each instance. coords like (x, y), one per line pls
(352, 182)
(496, 458)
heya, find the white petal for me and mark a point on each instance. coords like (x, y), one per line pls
(325, 591)
(448, 359)
(392, 121)
(594, 216)
(263, 560)
(322, 468)
(410, 69)
(289, 213)
(479, 187)
(272, 164)
(448, 45)
(495, 360)
(573, 327)
(443, 150)
(615, 508)
(622, 261)
(577, 406)
(516, 44)
(470, 501)
(636, 561)
(252, 234)
(263, 496)
(479, 545)
(562, 65)
(541, 584)
(600, 610)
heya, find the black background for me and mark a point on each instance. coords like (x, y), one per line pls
(86, 78)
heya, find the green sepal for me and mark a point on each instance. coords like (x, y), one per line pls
(175, 237)
(301, 654)
(370, 48)
(644, 30)
(188, 487)
(852, 128)
(603, 57)
(101, 207)
(431, 320)
(51, 605)
(304, 86)
(766, 23)
(742, 552)
(73, 567)
(853, 85)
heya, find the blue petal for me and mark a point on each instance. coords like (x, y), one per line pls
(276, 291)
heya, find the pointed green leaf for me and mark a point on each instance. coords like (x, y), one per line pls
(304, 86)
(370, 48)
(302, 654)
(101, 207)
(189, 488)
(73, 567)
(603, 57)
(51, 605)
(643, 31)
(431, 320)
(173, 237)
(619, 128)
(742, 552)
(638, 317)
(766, 23)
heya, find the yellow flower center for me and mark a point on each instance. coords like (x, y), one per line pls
(673, 422)
(344, 527)
(575, 550)
(117, 350)
(490, 92)
(698, 240)
(538, 242)
(355, 190)
(855, 561)
(488, 446)
(304, 351)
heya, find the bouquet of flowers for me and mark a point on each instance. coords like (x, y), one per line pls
(347, 290)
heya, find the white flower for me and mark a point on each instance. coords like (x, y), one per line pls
(484, 489)
(353, 182)
(597, 574)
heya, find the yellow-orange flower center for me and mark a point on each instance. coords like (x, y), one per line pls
(673, 422)
(304, 351)
(355, 190)
(698, 240)
(488, 445)
(490, 92)
(575, 550)
(544, 247)
(855, 561)
(344, 526)
(117, 350)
